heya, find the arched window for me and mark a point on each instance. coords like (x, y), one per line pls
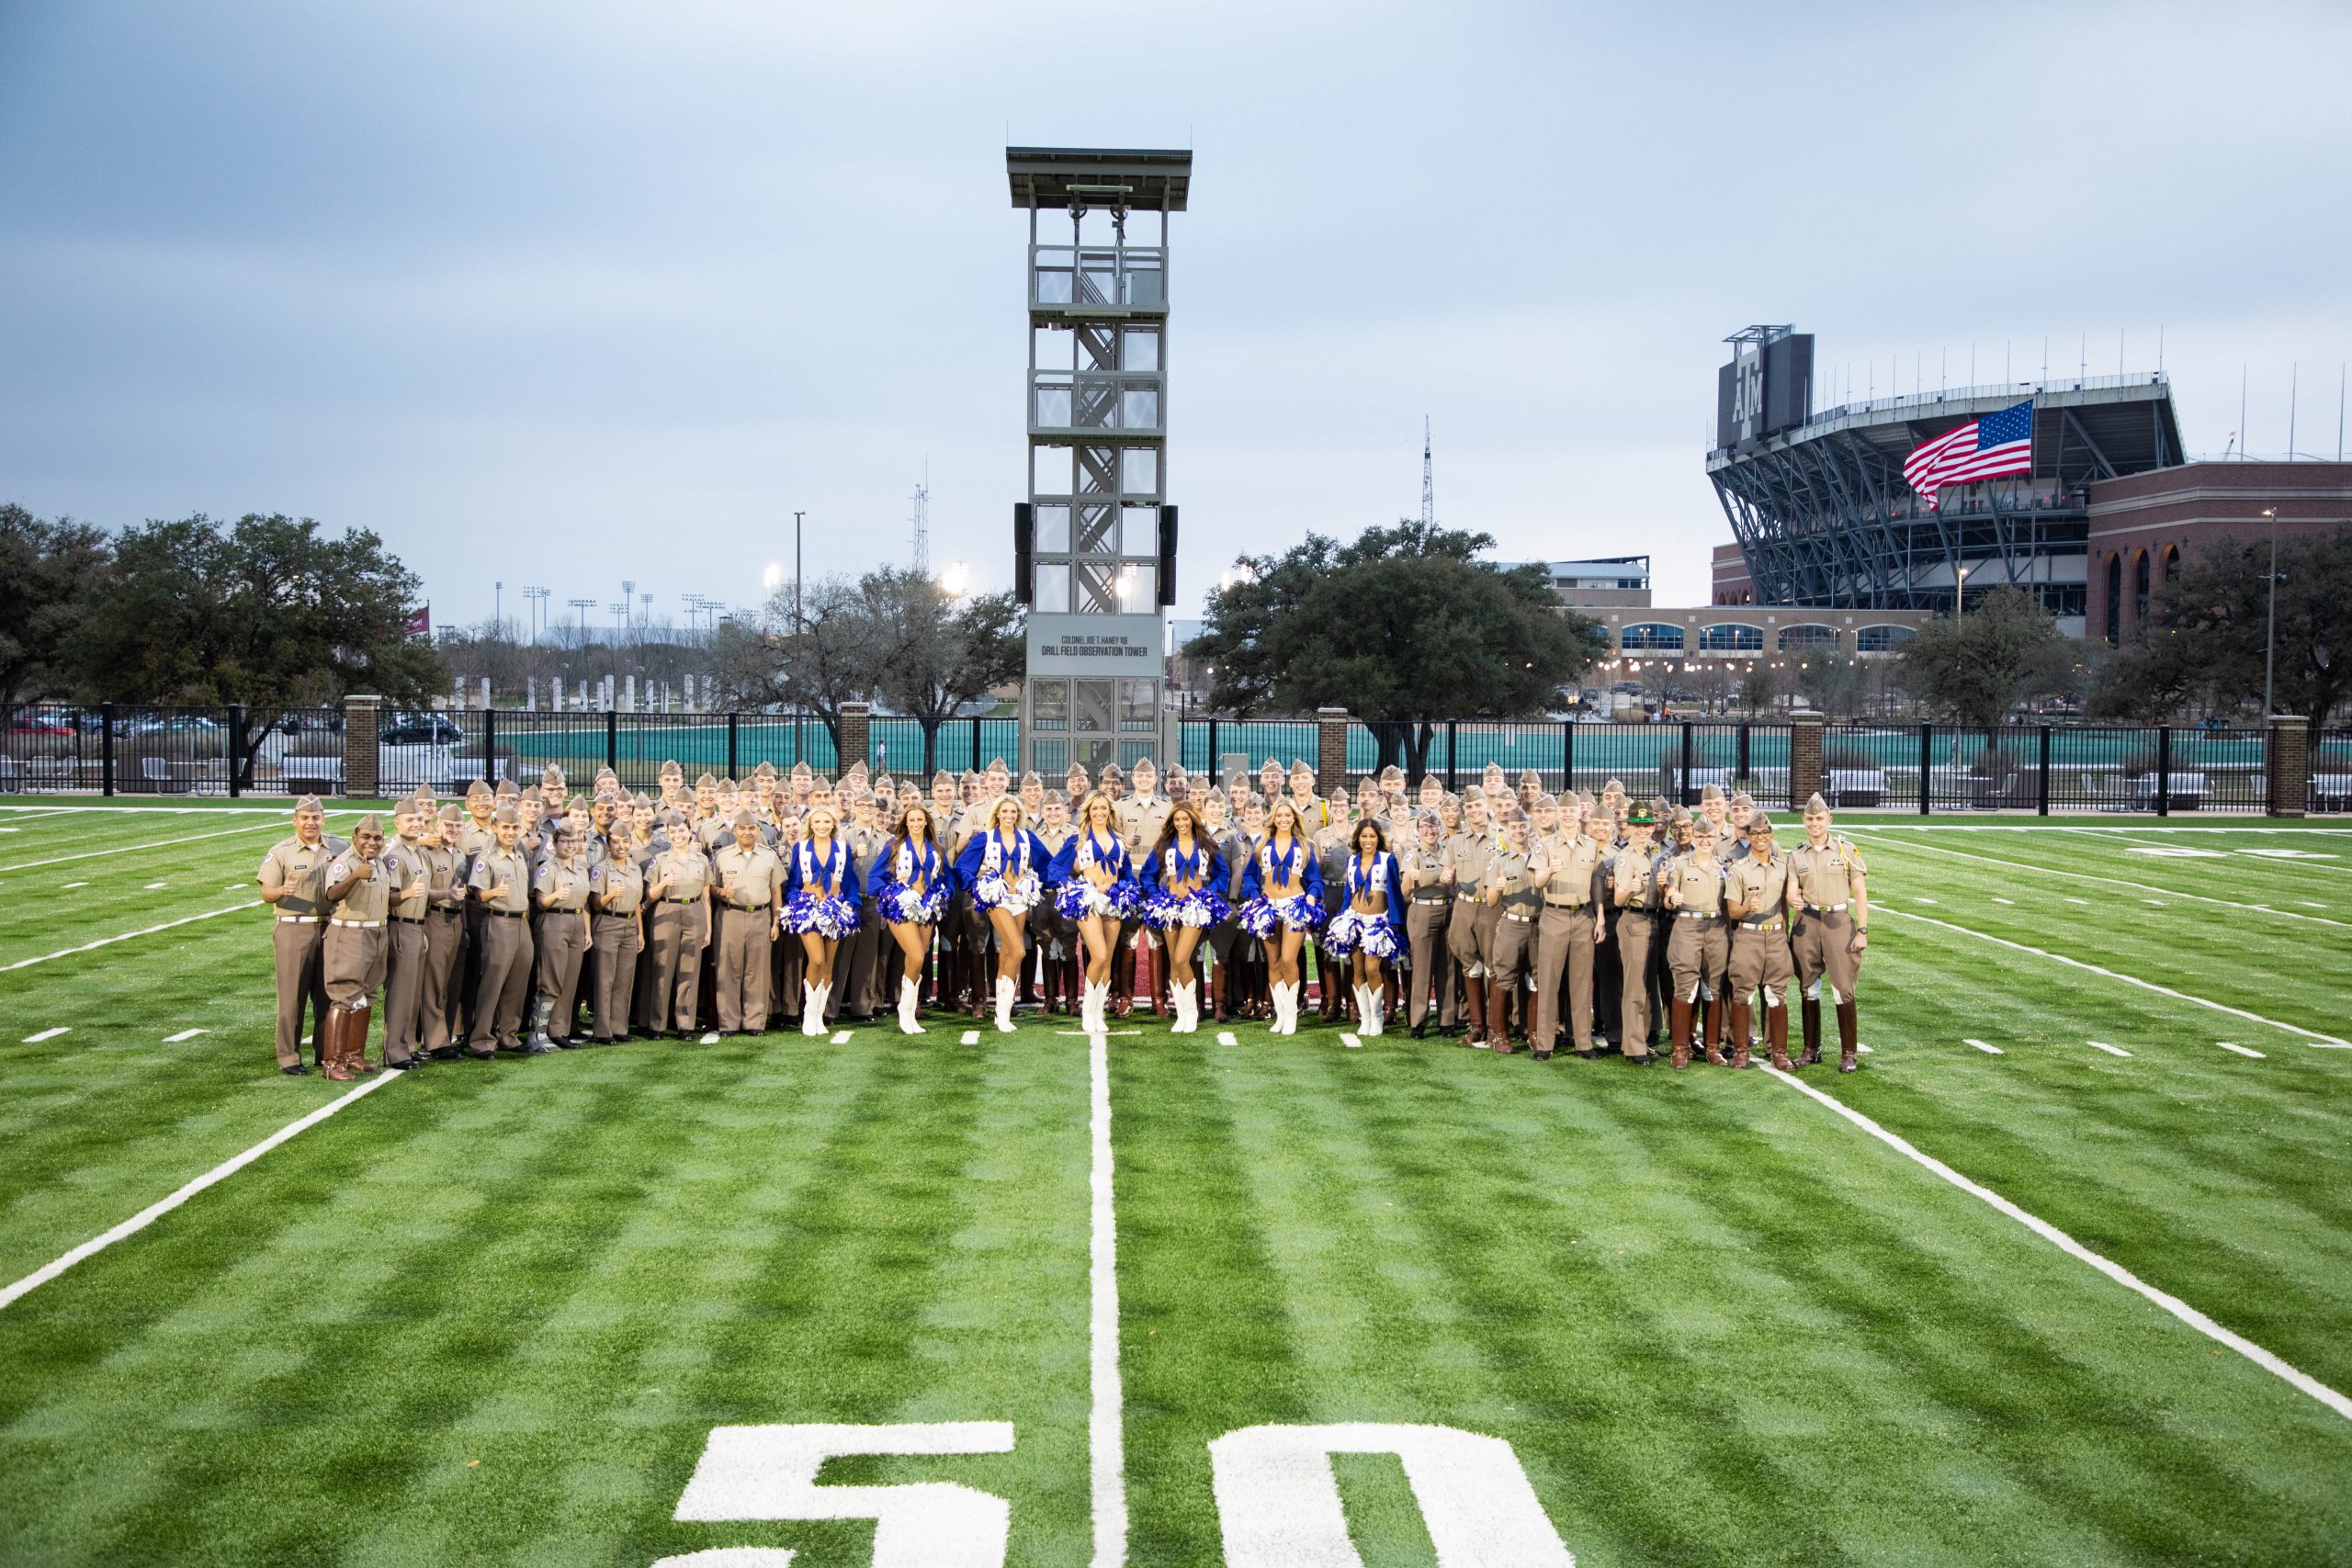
(2139, 586)
(1651, 636)
(2171, 562)
(1882, 639)
(2114, 599)
(1798, 639)
(1731, 637)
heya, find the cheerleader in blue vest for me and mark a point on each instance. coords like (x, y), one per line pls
(1004, 866)
(1369, 931)
(911, 883)
(820, 908)
(1282, 902)
(1095, 886)
(1188, 878)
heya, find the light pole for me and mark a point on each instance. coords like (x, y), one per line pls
(498, 606)
(535, 597)
(1959, 576)
(2270, 630)
(798, 722)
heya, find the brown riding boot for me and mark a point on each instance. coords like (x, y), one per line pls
(1849, 1037)
(1155, 983)
(1812, 1057)
(355, 1039)
(1712, 1034)
(1741, 1026)
(1498, 1018)
(1475, 1010)
(1220, 982)
(1678, 1027)
(331, 1045)
(1776, 1036)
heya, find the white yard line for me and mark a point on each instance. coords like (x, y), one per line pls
(158, 844)
(1224, 1037)
(1107, 1436)
(2068, 1245)
(1352, 1042)
(841, 1037)
(184, 1035)
(1988, 1050)
(970, 1037)
(2328, 1041)
(125, 936)
(2110, 1050)
(2120, 882)
(2241, 1050)
(48, 1034)
(153, 1212)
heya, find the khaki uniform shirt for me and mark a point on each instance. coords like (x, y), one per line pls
(415, 878)
(496, 866)
(1507, 873)
(1825, 878)
(300, 869)
(1633, 878)
(564, 884)
(1567, 867)
(688, 871)
(746, 879)
(368, 900)
(619, 883)
(1469, 855)
(1139, 820)
(441, 863)
(1760, 883)
(1700, 880)
(1419, 869)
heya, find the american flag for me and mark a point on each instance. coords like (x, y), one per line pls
(1982, 449)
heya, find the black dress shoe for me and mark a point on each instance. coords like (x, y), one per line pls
(482, 1055)
(444, 1053)
(297, 1071)
(1420, 1030)
(567, 1045)
(1587, 1054)
(1543, 1056)
(1643, 1060)
(412, 1064)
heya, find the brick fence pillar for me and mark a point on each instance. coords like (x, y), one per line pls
(854, 740)
(2287, 765)
(362, 718)
(1330, 748)
(1804, 756)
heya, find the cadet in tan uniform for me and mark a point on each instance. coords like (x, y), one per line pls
(748, 886)
(475, 837)
(1429, 906)
(445, 935)
(292, 878)
(1756, 894)
(1517, 903)
(677, 885)
(1470, 930)
(501, 880)
(1631, 875)
(617, 934)
(1565, 866)
(406, 944)
(1831, 910)
(1691, 884)
(1140, 817)
(562, 938)
(358, 892)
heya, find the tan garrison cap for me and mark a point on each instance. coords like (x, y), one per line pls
(1741, 797)
(368, 824)
(477, 787)
(744, 820)
(1711, 792)
(708, 781)
(451, 817)
(764, 770)
(1760, 822)
(1814, 803)
(507, 815)
(509, 790)
(308, 803)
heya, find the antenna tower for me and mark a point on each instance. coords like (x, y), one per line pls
(922, 523)
(1429, 490)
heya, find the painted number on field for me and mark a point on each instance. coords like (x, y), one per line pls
(1279, 1502)
(770, 1473)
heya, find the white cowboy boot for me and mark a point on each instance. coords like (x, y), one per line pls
(1188, 1006)
(907, 1000)
(812, 1009)
(1005, 1004)
(1368, 1008)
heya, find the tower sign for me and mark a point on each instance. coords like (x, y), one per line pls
(1094, 546)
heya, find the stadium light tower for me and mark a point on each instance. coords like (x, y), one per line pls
(583, 606)
(536, 596)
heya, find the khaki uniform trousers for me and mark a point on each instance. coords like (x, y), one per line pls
(1698, 953)
(1564, 941)
(1822, 947)
(562, 942)
(1760, 957)
(678, 938)
(616, 945)
(1427, 929)
(744, 937)
(444, 933)
(1470, 933)
(353, 957)
(505, 983)
(297, 948)
(405, 959)
(1511, 954)
(1637, 930)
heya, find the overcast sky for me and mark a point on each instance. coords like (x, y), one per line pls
(568, 294)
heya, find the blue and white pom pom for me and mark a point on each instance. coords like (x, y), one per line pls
(1350, 931)
(903, 906)
(1201, 909)
(1014, 897)
(1301, 913)
(832, 918)
(1079, 899)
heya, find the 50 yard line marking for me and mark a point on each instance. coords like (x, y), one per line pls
(157, 1210)
(1106, 1438)
(2073, 1248)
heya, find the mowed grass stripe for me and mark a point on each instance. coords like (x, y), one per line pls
(555, 1242)
(2045, 872)
(2219, 1184)
(43, 917)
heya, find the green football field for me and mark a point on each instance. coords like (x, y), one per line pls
(2064, 1276)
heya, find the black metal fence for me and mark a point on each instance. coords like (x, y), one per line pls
(119, 749)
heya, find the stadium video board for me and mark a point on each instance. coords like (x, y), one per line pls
(1767, 386)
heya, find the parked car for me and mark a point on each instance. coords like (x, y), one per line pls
(39, 724)
(419, 729)
(178, 724)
